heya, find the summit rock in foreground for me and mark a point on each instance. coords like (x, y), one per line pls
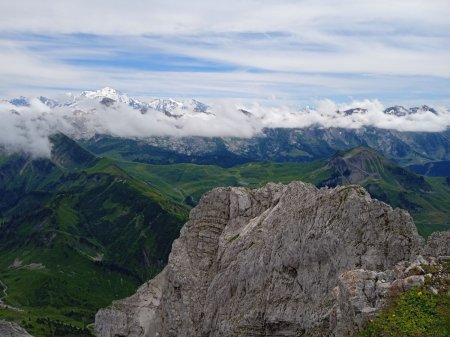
(282, 260)
(10, 329)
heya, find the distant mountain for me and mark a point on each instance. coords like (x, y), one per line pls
(401, 111)
(176, 108)
(426, 199)
(280, 145)
(350, 112)
(362, 165)
(166, 130)
(21, 101)
(397, 110)
(76, 232)
(110, 97)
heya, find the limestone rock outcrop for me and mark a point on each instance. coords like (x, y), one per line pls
(10, 329)
(438, 244)
(361, 294)
(282, 260)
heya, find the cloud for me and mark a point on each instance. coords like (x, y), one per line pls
(25, 132)
(177, 16)
(26, 128)
(297, 50)
(280, 53)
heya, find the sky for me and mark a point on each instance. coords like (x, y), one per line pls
(294, 52)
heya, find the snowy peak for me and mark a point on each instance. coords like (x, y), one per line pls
(423, 108)
(397, 110)
(21, 101)
(166, 105)
(108, 96)
(178, 109)
(353, 111)
(51, 103)
(401, 111)
(170, 107)
(107, 92)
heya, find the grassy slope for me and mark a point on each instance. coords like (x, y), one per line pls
(71, 227)
(417, 312)
(426, 198)
(78, 215)
(180, 181)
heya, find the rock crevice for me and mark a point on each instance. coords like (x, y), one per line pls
(282, 260)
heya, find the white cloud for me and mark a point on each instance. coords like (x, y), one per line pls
(176, 16)
(26, 129)
(25, 132)
(296, 47)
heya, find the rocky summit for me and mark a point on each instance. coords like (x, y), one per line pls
(10, 329)
(282, 260)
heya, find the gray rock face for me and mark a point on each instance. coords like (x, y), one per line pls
(361, 293)
(10, 329)
(135, 315)
(438, 244)
(282, 260)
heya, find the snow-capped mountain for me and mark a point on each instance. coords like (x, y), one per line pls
(21, 101)
(110, 95)
(109, 111)
(170, 107)
(183, 128)
(397, 110)
(90, 112)
(423, 108)
(401, 111)
(178, 109)
(353, 111)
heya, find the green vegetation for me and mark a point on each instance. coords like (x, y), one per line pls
(426, 198)
(182, 181)
(76, 233)
(416, 313)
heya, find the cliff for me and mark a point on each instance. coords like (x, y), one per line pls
(282, 260)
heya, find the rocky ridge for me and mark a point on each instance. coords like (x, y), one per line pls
(282, 260)
(10, 329)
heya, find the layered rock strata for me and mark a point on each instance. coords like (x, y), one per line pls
(282, 260)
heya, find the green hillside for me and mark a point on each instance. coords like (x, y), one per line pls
(77, 232)
(426, 198)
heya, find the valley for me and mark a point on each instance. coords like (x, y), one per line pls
(225, 168)
(426, 198)
(94, 219)
(64, 232)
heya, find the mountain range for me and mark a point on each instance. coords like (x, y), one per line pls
(92, 215)
(162, 131)
(78, 231)
(109, 97)
(177, 108)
